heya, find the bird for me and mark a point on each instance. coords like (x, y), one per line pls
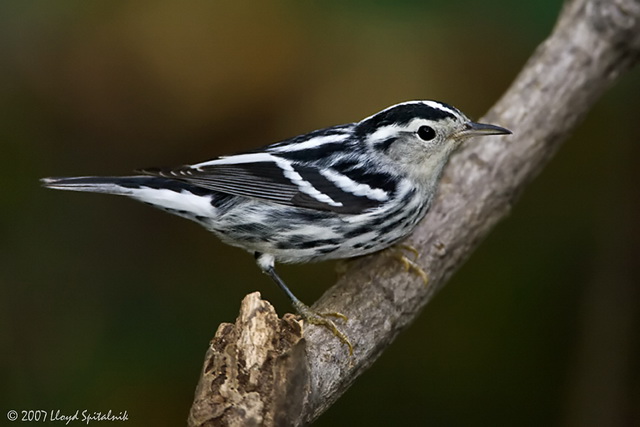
(335, 193)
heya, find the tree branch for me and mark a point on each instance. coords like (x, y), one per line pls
(593, 44)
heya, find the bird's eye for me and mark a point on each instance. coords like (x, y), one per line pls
(426, 133)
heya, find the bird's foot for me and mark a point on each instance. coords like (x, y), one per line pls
(410, 265)
(320, 319)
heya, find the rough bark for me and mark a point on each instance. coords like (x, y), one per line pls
(253, 369)
(593, 44)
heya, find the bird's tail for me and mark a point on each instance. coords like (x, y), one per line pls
(172, 195)
(123, 185)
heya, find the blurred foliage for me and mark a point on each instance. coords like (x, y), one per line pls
(107, 304)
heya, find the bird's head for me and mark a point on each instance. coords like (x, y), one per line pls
(419, 136)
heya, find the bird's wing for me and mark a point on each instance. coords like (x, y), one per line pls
(273, 178)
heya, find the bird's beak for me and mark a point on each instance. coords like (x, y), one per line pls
(480, 129)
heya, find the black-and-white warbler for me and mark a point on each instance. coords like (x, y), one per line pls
(339, 192)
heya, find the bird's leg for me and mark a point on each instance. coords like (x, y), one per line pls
(266, 263)
(409, 265)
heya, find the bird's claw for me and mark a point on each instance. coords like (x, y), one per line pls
(320, 319)
(410, 265)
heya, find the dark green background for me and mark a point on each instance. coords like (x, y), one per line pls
(108, 304)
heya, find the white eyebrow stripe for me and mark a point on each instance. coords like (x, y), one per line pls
(356, 188)
(415, 124)
(385, 132)
(311, 143)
